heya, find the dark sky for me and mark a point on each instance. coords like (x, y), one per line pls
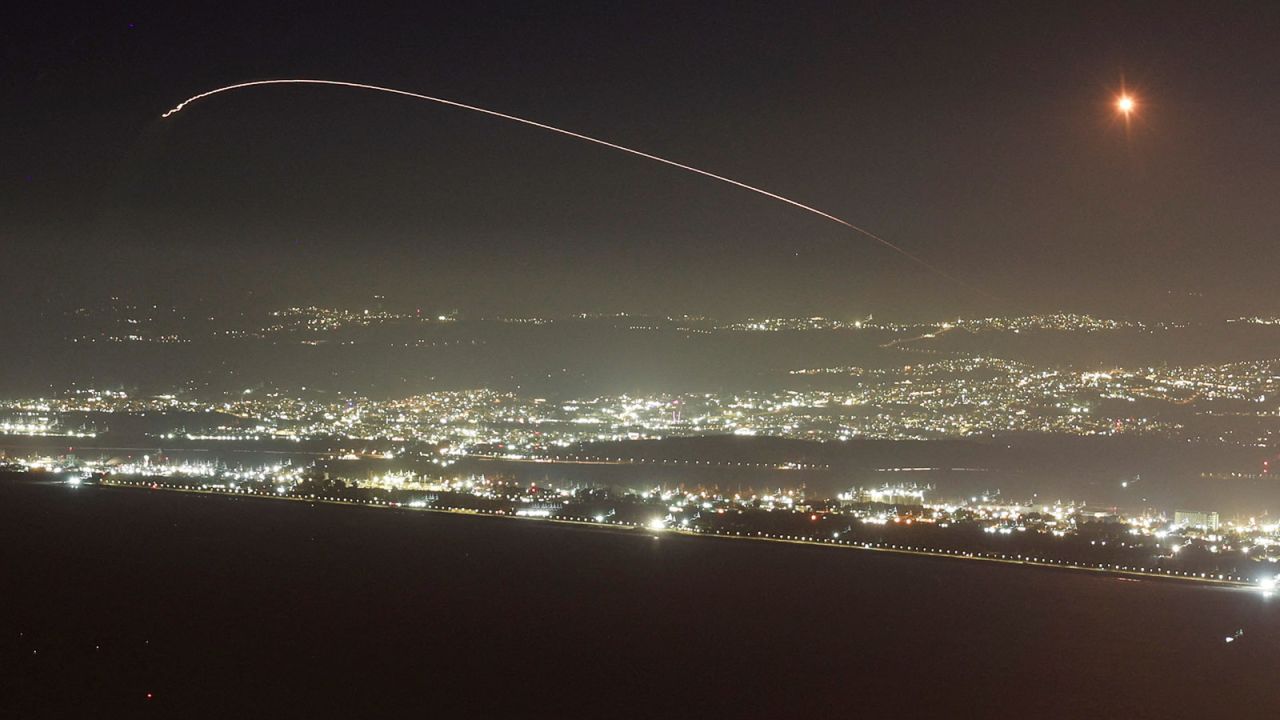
(979, 137)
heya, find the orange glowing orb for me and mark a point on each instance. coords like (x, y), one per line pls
(1126, 104)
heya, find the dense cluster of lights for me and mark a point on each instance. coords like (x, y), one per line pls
(951, 397)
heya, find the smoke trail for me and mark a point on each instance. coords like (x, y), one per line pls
(493, 113)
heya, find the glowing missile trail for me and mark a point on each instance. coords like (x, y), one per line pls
(493, 113)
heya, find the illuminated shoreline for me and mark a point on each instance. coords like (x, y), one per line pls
(1232, 581)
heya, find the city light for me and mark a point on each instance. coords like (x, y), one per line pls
(863, 518)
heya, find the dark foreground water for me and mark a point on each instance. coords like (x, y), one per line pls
(217, 605)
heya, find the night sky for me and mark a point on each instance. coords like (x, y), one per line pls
(982, 138)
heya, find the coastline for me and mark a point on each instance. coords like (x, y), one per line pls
(1120, 572)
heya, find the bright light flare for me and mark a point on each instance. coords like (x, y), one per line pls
(1125, 104)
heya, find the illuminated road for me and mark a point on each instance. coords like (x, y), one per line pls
(160, 450)
(598, 460)
(1001, 558)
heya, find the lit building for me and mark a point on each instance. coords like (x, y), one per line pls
(1191, 518)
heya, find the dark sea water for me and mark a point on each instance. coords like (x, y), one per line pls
(241, 607)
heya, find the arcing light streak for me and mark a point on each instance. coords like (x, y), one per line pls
(867, 233)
